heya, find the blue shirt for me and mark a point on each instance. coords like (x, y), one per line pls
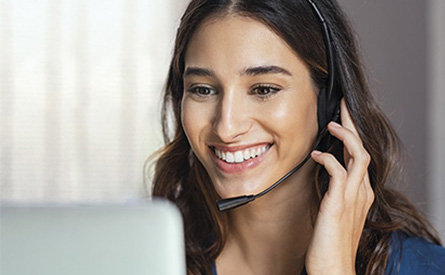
(410, 256)
(415, 255)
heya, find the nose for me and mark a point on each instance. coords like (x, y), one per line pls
(231, 119)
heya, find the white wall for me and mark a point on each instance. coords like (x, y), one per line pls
(79, 95)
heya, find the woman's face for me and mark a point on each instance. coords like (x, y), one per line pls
(249, 106)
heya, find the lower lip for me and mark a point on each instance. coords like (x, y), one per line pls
(239, 167)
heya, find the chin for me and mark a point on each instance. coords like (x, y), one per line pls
(234, 188)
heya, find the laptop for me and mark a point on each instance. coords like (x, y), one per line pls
(142, 238)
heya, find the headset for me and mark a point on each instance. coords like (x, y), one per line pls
(328, 110)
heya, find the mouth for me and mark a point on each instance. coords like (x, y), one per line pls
(240, 156)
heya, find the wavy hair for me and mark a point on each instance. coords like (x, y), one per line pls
(181, 178)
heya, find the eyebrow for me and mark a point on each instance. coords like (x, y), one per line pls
(254, 71)
(250, 71)
(196, 71)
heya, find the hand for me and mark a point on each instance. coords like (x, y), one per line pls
(345, 205)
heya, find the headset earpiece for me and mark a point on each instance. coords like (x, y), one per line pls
(322, 109)
(328, 109)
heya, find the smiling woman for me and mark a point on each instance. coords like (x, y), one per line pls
(249, 103)
(246, 85)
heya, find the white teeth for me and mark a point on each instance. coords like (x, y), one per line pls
(240, 156)
(246, 154)
(229, 157)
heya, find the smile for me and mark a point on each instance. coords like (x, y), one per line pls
(241, 156)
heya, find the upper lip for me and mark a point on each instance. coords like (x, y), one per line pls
(238, 147)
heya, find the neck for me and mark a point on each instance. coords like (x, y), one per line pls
(271, 234)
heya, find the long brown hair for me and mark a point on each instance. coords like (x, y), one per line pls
(181, 178)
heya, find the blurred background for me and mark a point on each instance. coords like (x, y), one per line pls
(80, 84)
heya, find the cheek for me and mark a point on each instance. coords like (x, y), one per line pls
(294, 111)
(187, 121)
(294, 121)
(194, 122)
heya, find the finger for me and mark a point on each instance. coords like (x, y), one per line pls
(346, 119)
(347, 122)
(336, 171)
(359, 158)
(366, 197)
(352, 143)
(370, 196)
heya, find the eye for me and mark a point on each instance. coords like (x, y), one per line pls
(265, 91)
(201, 91)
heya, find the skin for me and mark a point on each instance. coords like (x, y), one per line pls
(244, 87)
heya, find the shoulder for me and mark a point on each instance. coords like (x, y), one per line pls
(414, 255)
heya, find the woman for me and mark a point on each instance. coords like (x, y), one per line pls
(252, 87)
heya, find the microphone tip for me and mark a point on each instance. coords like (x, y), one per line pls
(231, 203)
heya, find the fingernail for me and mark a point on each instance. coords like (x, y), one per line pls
(335, 124)
(316, 152)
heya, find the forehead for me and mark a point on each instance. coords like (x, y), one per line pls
(235, 41)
